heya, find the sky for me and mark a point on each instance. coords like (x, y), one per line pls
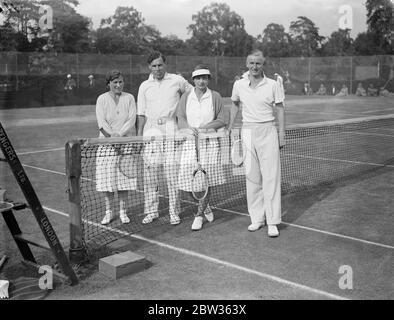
(173, 16)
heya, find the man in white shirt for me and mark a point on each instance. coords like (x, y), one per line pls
(258, 96)
(157, 101)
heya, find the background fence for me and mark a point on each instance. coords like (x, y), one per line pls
(38, 79)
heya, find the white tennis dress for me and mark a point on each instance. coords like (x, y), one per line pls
(200, 113)
(114, 118)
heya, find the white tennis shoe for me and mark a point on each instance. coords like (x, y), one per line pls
(108, 217)
(174, 219)
(123, 217)
(273, 231)
(255, 226)
(197, 223)
(209, 214)
(150, 217)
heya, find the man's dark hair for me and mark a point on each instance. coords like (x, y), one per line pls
(156, 55)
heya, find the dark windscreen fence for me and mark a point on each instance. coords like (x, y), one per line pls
(316, 155)
(38, 79)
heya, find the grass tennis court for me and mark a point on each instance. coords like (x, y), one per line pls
(347, 223)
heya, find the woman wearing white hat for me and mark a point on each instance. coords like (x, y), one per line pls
(201, 110)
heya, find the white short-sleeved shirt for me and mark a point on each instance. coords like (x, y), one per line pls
(257, 103)
(159, 98)
(199, 113)
(116, 118)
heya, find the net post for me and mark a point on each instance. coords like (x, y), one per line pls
(77, 251)
(351, 75)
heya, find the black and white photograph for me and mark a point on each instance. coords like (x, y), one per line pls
(196, 158)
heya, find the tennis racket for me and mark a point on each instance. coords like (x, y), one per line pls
(3, 260)
(128, 160)
(238, 152)
(5, 206)
(200, 186)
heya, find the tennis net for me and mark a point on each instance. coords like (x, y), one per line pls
(157, 172)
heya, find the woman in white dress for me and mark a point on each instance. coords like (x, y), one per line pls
(201, 110)
(116, 114)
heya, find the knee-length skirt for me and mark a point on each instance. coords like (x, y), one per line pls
(210, 159)
(108, 175)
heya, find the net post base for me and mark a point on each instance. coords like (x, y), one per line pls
(122, 264)
(78, 255)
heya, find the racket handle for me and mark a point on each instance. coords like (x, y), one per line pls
(3, 261)
(2, 195)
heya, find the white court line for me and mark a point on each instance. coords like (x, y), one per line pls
(341, 160)
(214, 260)
(247, 215)
(342, 236)
(372, 111)
(45, 170)
(370, 134)
(38, 151)
(321, 231)
(317, 112)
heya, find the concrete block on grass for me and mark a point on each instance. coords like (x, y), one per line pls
(122, 264)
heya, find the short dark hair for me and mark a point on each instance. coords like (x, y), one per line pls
(112, 75)
(156, 55)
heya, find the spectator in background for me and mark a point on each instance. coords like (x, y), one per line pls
(90, 94)
(344, 91)
(322, 90)
(69, 89)
(360, 92)
(92, 81)
(307, 90)
(70, 83)
(385, 93)
(371, 91)
(333, 90)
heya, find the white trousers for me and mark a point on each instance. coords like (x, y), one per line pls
(159, 153)
(263, 172)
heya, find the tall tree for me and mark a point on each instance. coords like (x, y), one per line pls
(219, 31)
(339, 44)
(274, 41)
(127, 32)
(8, 37)
(20, 25)
(70, 29)
(365, 44)
(380, 20)
(171, 45)
(22, 15)
(305, 37)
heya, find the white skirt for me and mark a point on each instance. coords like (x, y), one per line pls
(210, 159)
(108, 176)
